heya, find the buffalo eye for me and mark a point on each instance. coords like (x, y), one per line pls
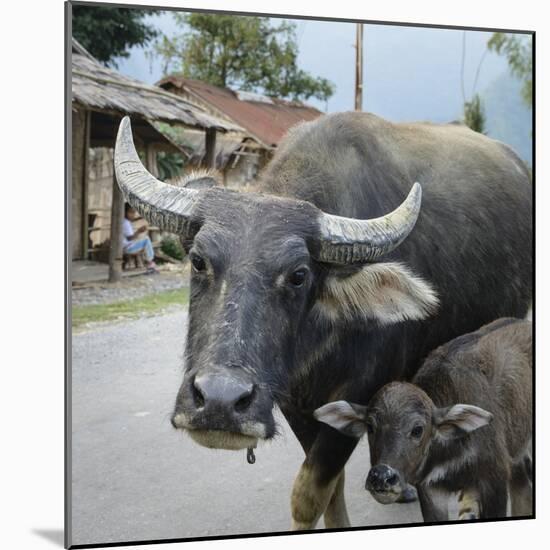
(198, 263)
(298, 277)
(370, 428)
(417, 432)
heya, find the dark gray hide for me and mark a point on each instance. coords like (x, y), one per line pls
(463, 426)
(261, 332)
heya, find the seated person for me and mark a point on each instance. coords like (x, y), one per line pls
(131, 241)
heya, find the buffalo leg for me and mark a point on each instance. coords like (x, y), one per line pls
(319, 477)
(431, 511)
(521, 493)
(336, 514)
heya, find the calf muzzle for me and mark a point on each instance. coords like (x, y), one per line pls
(384, 483)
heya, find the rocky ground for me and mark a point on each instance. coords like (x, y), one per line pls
(170, 277)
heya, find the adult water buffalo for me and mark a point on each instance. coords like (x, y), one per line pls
(307, 291)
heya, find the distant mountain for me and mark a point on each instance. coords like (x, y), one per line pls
(508, 117)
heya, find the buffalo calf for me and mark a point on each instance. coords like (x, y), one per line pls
(463, 426)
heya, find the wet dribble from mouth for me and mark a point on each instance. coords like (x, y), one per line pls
(250, 456)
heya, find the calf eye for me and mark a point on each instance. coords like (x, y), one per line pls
(298, 277)
(198, 263)
(417, 432)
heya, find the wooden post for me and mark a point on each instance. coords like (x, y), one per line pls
(359, 68)
(210, 147)
(115, 249)
(77, 177)
(151, 159)
(85, 185)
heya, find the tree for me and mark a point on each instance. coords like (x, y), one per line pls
(108, 33)
(518, 49)
(169, 164)
(249, 53)
(474, 117)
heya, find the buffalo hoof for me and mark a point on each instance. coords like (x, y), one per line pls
(409, 494)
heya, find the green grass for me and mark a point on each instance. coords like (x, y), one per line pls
(129, 309)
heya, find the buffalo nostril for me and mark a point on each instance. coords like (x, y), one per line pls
(245, 401)
(173, 421)
(221, 392)
(198, 397)
(392, 480)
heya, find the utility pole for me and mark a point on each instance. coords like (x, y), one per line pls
(359, 68)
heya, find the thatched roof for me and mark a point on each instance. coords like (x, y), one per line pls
(79, 48)
(99, 88)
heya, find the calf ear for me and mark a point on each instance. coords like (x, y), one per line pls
(387, 292)
(345, 417)
(459, 420)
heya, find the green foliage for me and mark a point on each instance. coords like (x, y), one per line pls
(108, 33)
(169, 165)
(172, 247)
(249, 53)
(474, 116)
(518, 50)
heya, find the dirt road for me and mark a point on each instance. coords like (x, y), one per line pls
(136, 478)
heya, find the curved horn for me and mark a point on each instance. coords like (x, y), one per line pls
(164, 205)
(352, 241)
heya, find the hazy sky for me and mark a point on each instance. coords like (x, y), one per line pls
(409, 73)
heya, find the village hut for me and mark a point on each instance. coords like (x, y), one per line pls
(265, 119)
(100, 98)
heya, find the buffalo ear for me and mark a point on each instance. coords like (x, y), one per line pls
(197, 179)
(459, 420)
(386, 292)
(345, 417)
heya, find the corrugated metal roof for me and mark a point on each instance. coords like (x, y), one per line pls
(267, 121)
(98, 87)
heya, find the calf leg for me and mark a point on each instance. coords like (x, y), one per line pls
(521, 492)
(408, 494)
(493, 499)
(431, 511)
(528, 464)
(319, 484)
(468, 505)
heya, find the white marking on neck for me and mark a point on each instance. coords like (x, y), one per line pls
(452, 466)
(324, 348)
